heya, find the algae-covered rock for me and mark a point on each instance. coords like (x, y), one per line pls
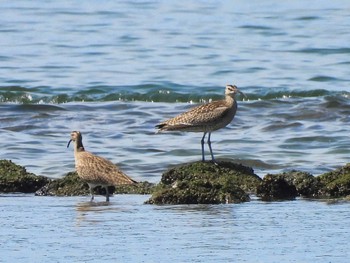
(15, 178)
(73, 185)
(305, 183)
(141, 188)
(288, 185)
(205, 183)
(69, 185)
(335, 184)
(275, 187)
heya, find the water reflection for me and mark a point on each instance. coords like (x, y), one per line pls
(107, 213)
(92, 212)
(202, 209)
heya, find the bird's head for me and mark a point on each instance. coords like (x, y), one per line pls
(232, 90)
(75, 136)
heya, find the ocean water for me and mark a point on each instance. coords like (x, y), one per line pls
(73, 230)
(114, 69)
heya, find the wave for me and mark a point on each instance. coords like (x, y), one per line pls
(168, 92)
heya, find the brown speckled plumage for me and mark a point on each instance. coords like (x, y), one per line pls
(96, 170)
(205, 118)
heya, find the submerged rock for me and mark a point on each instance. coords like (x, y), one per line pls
(335, 184)
(288, 185)
(73, 185)
(15, 178)
(205, 183)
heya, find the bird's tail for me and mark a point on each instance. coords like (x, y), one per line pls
(123, 179)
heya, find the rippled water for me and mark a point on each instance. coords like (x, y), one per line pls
(128, 231)
(114, 69)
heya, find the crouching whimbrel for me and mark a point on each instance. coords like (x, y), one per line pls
(94, 169)
(205, 118)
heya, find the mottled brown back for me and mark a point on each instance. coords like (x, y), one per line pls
(206, 117)
(99, 171)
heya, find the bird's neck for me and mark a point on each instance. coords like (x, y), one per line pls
(79, 146)
(230, 100)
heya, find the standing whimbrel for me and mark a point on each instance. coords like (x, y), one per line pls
(94, 169)
(205, 118)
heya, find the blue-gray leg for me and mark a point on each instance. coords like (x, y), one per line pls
(91, 192)
(202, 143)
(211, 151)
(107, 194)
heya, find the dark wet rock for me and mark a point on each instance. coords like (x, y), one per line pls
(69, 185)
(142, 188)
(335, 184)
(276, 187)
(73, 185)
(305, 183)
(15, 178)
(205, 183)
(288, 185)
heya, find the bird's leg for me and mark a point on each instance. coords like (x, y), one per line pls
(202, 142)
(91, 193)
(211, 151)
(107, 194)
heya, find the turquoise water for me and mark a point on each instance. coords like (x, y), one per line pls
(114, 69)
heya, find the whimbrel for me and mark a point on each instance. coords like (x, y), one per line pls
(94, 169)
(205, 118)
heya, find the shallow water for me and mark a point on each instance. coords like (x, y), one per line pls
(114, 69)
(128, 231)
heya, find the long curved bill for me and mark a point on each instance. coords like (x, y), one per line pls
(69, 143)
(240, 92)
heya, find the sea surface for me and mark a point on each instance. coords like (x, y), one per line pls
(114, 69)
(70, 229)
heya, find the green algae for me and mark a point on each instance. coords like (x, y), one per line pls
(335, 184)
(73, 185)
(192, 183)
(15, 178)
(275, 187)
(288, 185)
(205, 183)
(305, 183)
(69, 185)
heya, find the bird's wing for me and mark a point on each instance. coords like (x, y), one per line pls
(103, 169)
(200, 115)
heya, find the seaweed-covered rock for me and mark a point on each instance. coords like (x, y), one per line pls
(142, 188)
(335, 184)
(288, 185)
(15, 178)
(305, 183)
(69, 185)
(73, 185)
(275, 187)
(205, 183)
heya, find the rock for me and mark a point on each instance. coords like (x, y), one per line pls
(288, 185)
(276, 187)
(15, 178)
(72, 185)
(305, 183)
(205, 183)
(335, 184)
(69, 185)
